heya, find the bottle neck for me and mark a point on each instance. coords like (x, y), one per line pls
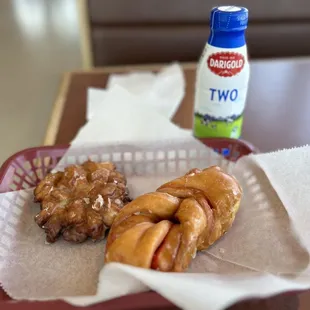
(227, 39)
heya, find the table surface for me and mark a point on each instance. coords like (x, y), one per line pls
(277, 113)
(277, 116)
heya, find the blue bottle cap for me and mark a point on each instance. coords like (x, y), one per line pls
(229, 18)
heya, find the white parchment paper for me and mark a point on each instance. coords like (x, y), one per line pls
(263, 253)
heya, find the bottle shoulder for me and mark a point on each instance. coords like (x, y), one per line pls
(227, 39)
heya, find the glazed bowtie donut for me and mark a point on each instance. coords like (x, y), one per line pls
(163, 230)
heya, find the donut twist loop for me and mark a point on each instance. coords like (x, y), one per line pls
(163, 230)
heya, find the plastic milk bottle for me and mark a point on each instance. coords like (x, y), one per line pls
(222, 75)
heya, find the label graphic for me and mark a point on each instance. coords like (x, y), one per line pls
(226, 64)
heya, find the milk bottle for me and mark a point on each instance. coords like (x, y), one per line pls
(222, 75)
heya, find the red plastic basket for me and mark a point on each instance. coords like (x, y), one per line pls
(26, 168)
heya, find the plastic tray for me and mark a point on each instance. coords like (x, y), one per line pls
(26, 168)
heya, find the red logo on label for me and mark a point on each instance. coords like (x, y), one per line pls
(226, 64)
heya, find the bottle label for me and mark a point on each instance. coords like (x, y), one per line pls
(226, 64)
(221, 88)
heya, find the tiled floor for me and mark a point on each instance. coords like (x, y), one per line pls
(39, 41)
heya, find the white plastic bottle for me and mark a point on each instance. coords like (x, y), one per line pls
(222, 75)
